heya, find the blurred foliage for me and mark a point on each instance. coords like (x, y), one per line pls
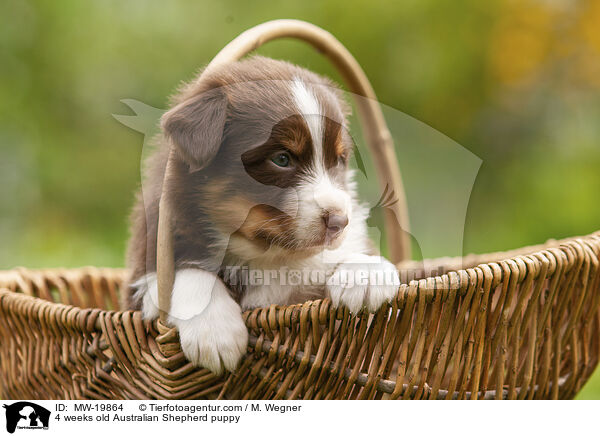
(516, 82)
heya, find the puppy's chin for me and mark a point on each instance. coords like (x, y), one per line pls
(266, 248)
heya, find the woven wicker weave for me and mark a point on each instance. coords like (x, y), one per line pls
(522, 324)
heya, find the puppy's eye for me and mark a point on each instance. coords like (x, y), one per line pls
(281, 160)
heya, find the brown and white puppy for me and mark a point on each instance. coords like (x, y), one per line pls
(260, 183)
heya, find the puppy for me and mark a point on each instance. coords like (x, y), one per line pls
(262, 194)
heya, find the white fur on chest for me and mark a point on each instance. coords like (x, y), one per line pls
(286, 284)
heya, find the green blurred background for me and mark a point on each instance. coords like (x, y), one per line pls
(516, 82)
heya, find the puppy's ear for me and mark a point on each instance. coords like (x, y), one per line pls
(195, 126)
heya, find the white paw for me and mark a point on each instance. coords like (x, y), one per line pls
(211, 330)
(363, 281)
(215, 339)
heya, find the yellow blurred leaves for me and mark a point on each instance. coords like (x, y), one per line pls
(533, 37)
(589, 32)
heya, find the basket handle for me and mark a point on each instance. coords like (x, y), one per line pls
(375, 130)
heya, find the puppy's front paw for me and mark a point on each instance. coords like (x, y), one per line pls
(363, 281)
(211, 330)
(214, 342)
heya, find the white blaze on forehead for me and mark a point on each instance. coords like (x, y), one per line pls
(310, 109)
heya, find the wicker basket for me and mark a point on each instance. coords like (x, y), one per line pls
(521, 324)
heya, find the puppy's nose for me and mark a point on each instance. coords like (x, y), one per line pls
(335, 223)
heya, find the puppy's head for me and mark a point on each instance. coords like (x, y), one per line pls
(266, 150)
